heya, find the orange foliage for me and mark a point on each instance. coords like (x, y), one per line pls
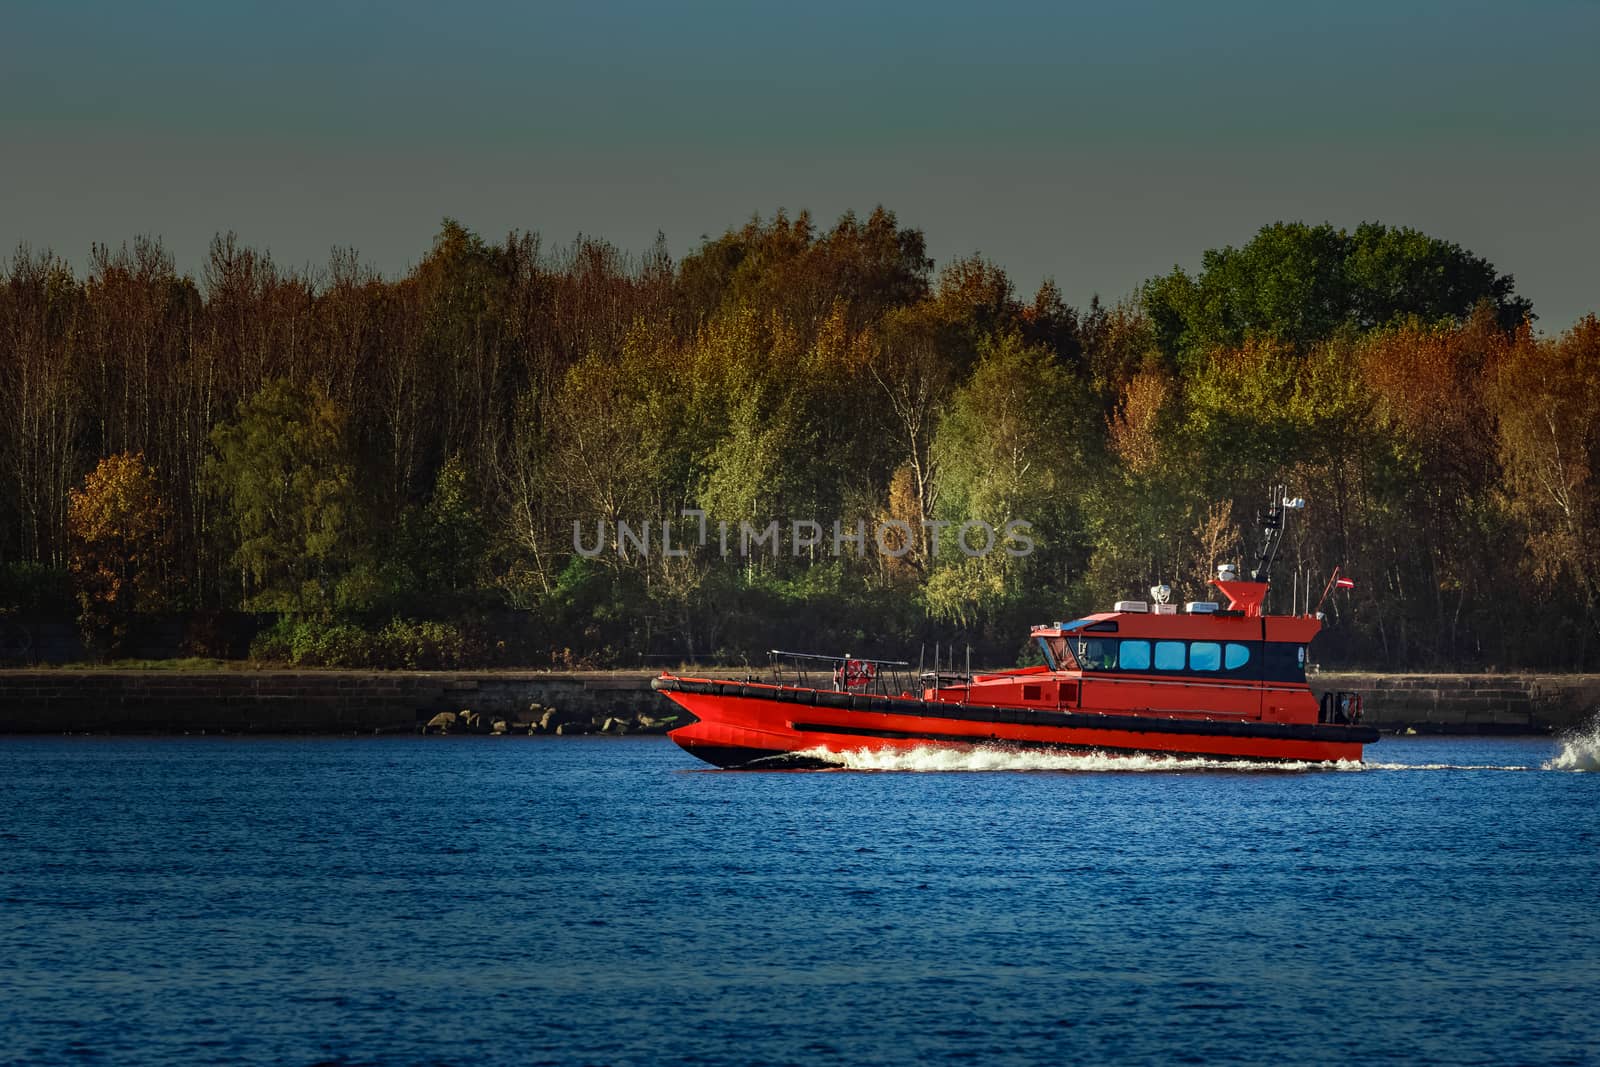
(1549, 410)
(1135, 436)
(118, 530)
(1428, 382)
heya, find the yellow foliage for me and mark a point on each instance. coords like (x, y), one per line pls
(1135, 435)
(118, 529)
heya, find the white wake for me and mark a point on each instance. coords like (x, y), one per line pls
(1580, 751)
(995, 758)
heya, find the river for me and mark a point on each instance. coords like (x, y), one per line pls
(612, 901)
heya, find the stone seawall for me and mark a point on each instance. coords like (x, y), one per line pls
(1470, 703)
(323, 702)
(366, 702)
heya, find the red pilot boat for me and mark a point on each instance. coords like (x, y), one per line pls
(1209, 680)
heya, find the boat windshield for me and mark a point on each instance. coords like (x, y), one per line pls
(1057, 654)
(1097, 653)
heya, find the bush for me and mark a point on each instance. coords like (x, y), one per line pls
(403, 644)
(332, 646)
(307, 643)
(422, 645)
(273, 645)
(35, 591)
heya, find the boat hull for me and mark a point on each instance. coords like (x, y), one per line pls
(751, 724)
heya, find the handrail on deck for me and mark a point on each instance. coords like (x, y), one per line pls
(886, 677)
(840, 659)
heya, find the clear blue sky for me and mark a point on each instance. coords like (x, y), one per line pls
(1098, 144)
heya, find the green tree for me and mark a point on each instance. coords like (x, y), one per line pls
(1395, 272)
(440, 550)
(453, 531)
(1298, 284)
(609, 426)
(285, 482)
(1011, 448)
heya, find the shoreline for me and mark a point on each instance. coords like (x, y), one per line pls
(342, 702)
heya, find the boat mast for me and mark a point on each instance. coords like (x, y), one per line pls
(1272, 526)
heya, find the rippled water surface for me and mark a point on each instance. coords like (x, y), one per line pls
(591, 900)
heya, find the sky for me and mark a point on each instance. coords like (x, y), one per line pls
(1096, 144)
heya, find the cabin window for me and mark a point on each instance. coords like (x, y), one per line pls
(1235, 656)
(1097, 654)
(1205, 656)
(1057, 654)
(1169, 655)
(1032, 692)
(1136, 655)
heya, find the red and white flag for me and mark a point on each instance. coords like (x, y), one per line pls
(1345, 583)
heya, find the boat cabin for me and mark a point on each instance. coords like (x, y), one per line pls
(1205, 660)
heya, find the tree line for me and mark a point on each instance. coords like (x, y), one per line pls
(389, 470)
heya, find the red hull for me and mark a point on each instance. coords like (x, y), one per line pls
(742, 723)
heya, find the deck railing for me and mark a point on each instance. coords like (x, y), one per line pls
(844, 674)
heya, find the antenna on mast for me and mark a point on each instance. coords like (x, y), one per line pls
(1272, 531)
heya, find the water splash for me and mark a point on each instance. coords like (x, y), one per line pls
(1580, 750)
(996, 758)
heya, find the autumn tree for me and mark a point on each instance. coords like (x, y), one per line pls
(333, 441)
(119, 531)
(1136, 427)
(1430, 411)
(1119, 342)
(788, 266)
(1548, 400)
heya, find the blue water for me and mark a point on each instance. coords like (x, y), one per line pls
(606, 901)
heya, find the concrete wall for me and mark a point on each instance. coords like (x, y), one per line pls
(303, 702)
(331, 702)
(1470, 703)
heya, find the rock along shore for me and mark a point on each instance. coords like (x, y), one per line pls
(331, 702)
(517, 703)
